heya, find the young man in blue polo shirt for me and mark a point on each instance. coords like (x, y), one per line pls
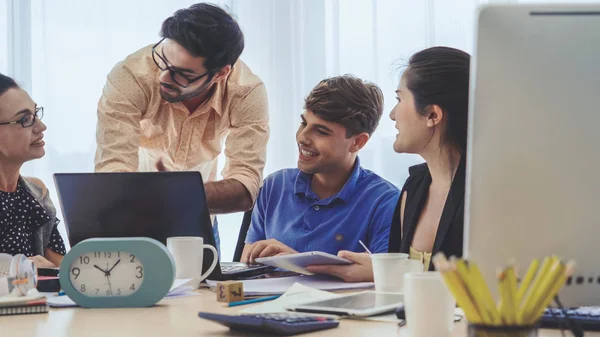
(329, 202)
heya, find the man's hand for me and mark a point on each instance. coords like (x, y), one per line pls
(41, 262)
(265, 248)
(160, 166)
(360, 271)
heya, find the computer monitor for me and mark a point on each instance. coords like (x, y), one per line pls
(533, 161)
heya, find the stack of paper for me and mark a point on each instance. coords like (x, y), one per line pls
(33, 303)
(277, 286)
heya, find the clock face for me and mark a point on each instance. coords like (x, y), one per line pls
(102, 274)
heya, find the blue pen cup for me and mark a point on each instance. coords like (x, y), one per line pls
(476, 330)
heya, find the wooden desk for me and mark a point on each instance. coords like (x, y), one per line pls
(173, 317)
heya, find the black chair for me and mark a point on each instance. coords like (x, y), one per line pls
(239, 247)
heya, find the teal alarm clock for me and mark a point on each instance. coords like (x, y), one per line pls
(117, 272)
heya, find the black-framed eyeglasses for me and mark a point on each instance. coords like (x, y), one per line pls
(177, 77)
(29, 119)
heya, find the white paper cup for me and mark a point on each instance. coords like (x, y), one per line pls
(389, 270)
(429, 306)
(188, 253)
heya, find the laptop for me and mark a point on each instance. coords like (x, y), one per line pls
(143, 204)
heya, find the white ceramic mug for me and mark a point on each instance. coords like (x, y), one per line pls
(389, 270)
(188, 253)
(429, 306)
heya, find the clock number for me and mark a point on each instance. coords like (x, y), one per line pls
(140, 271)
(132, 286)
(107, 255)
(84, 260)
(108, 292)
(76, 272)
(132, 257)
(97, 291)
(119, 255)
(118, 291)
(83, 288)
(96, 255)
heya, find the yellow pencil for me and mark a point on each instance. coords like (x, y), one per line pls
(544, 288)
(486, 295)
(463, 272)
(527, 280)
(457, 288)
(546, 264)
(511, 290)
(562, 279)
(503, 305)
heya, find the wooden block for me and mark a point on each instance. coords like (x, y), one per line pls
(230, 291)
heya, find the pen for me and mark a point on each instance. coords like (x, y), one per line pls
(365, 247)
(61, 293)
(254, 300)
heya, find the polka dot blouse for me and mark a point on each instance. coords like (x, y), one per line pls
(20, 216)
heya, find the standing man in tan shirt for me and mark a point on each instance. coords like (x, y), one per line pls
(178, 101)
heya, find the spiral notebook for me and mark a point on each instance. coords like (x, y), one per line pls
(34, 303)
(36, 307)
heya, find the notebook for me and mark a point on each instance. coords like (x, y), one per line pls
(31, 307)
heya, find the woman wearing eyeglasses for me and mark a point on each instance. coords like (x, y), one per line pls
(28, 223)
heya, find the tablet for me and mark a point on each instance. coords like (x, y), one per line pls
(298, 262)
(363, 304)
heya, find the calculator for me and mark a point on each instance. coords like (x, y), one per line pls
(282, 324)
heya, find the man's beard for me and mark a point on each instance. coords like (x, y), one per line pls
(178, 96)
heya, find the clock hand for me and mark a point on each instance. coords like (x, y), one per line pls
(108, 278)
(100, 269)
(113, 267)
(109, 286)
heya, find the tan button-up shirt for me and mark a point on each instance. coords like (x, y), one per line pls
(136, 127)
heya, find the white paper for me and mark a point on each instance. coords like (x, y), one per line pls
(296, 294)
(60, 301)
(180, 288)
(278, 286)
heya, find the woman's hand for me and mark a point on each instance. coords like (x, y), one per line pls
(360, 271)
(41, 262)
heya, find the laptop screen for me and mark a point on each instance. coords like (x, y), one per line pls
(146, 204)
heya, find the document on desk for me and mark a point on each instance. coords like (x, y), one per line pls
(278, 286)
(180, 288)
(296, 294)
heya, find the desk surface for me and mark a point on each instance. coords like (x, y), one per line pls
(173, 317)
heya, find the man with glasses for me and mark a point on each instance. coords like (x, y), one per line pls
(172, 105)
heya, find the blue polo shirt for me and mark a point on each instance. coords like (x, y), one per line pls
(289, 211)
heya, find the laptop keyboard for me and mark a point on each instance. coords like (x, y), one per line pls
(588, 318)
(238, 267)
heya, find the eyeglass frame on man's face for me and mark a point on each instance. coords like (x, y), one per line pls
(172, 71)
(38, 115)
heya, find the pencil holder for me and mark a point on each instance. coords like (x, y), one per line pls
(476, 330)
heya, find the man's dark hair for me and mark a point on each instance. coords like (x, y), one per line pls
(6, 83)
(349, 101)
(206, 30)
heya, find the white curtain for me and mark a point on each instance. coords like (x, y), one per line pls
(290, 44)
